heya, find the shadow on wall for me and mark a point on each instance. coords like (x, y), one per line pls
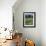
(28, 6)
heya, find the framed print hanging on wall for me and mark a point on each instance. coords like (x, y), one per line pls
(29, 19)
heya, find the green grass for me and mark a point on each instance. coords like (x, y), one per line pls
(29, 21)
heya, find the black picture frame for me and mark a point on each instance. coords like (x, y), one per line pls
(29, 19)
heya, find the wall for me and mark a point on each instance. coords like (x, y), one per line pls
(29, 33)
(43, 22)
(6, 13)
(6, 16)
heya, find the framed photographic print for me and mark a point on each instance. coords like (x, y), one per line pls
(29, 19)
